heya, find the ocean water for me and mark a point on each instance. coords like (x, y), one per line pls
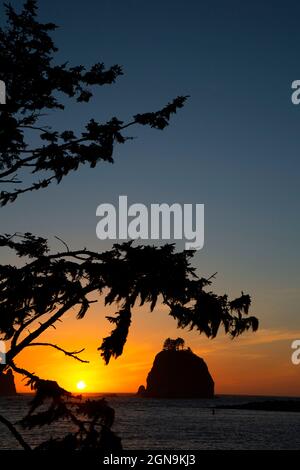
(176, 424)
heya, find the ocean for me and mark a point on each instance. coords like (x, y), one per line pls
(150, 424)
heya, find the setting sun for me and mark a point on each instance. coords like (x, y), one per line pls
(81, 385)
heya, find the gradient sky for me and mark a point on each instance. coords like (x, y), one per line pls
(234, 147)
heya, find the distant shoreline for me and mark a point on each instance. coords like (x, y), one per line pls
(132, 394)
(268, 405)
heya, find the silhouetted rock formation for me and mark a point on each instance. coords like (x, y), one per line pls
(178, 374)
(141, 390)
(7, 384)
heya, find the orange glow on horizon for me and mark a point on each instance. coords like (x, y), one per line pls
(254, 364)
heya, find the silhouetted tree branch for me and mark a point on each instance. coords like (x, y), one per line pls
(73, 354)
(52, 284)
(42, 287)
(32, 82)
(92, 419)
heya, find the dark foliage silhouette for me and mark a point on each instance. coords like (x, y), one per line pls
(43, 286)
(51, 284)
(173, 344)
(34, 83)
(47, 285)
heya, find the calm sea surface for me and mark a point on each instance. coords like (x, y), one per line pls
(176, 424)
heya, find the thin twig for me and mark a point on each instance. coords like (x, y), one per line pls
(13, 181)
(212, 276)
(63, 242)
(67, 353)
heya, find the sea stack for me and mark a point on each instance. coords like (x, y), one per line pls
(178, 373)
(7, 384)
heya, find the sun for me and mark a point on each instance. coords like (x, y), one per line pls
(81, 385)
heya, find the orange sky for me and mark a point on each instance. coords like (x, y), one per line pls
(257, 363)
(234, 147)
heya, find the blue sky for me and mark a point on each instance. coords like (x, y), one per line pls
(234, 147)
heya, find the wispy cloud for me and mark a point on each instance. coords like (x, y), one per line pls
(261, 337)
